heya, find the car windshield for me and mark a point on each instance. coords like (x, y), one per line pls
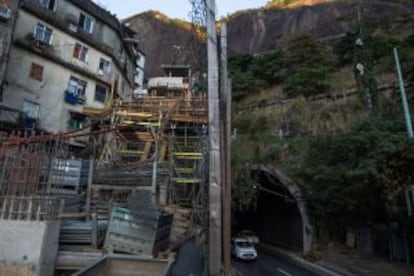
(247, 233)
(243, 244)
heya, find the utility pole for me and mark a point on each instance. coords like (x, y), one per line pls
(406, 109)
(409, 126)
(363, 67)
(215, 241)
(225, 98)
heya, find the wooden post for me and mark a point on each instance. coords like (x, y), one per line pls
(215, 238)
(89, 187)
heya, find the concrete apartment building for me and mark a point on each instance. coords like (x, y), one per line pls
(8, 11)
(67, 55)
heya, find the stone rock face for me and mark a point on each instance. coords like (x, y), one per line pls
(266, 29)
(163, 40)
(167, 41)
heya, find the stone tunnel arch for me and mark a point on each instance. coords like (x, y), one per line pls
(273, 182)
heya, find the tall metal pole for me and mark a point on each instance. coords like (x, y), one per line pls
(409, 126)
(225, 116)
(361, 43)
(403, 95)
(214, 144)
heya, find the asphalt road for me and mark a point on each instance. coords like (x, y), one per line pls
(273, 264)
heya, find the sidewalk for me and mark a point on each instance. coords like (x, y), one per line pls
(344, 261)
(351, 262)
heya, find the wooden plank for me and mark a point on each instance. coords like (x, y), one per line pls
(73, 215)
(163, 151)
(186, 180)
(147, 148)
(185, 170)
(131, 152)
(135, 114)
(119, 187)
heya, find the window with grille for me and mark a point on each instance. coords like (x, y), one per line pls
(80, 52)
(43, 33)
(77, 86)
(101, 92)
(36, 72)
(86, 23)
(47, 4)
(31, 109)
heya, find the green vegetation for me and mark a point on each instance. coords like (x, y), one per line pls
(351, 164)
(353, 177)
(308, 68)
(252, 73)
(303, 69)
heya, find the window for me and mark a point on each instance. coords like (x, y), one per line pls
(47, 4)
(104, 66)
(43, 33)
(77, 87)
(36, 72)
(86, 23)
(76, 120)
(5, 11)
(100, 93)
(31, 109)
(80, 52)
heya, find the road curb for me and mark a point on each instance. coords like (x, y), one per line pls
(322, 268)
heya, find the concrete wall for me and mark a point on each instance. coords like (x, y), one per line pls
(6, 29)
(29, 244)
(105, 42)
(59, 65)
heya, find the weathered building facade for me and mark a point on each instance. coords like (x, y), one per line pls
(8, 12)
(67, 55)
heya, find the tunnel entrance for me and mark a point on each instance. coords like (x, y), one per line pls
(280, 217)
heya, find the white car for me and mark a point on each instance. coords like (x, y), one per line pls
(250, 236)
(242, 249)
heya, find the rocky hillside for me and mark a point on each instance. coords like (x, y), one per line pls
(269, 28)
(168, 41)
(164, 40)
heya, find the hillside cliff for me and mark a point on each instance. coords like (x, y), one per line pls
(168, 41)
(271, 28)
(163, 40)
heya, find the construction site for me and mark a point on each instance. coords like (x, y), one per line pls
(123, 201)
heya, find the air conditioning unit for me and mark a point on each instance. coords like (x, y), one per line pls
(5, 12)
(72, 27)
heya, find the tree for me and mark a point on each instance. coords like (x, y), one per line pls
(344, 49)
(252, 73)
(267, 67)
(307, 67)
(352, 177)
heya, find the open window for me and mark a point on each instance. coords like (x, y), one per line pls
(77, 120)
(43, 34)
(104, 67)
(80, 52)
(76, 91)
(48, 4)
(101, 92)
(86, 23)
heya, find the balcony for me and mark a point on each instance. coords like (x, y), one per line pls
(74, 99)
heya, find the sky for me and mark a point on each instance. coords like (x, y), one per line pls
(174, 8)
